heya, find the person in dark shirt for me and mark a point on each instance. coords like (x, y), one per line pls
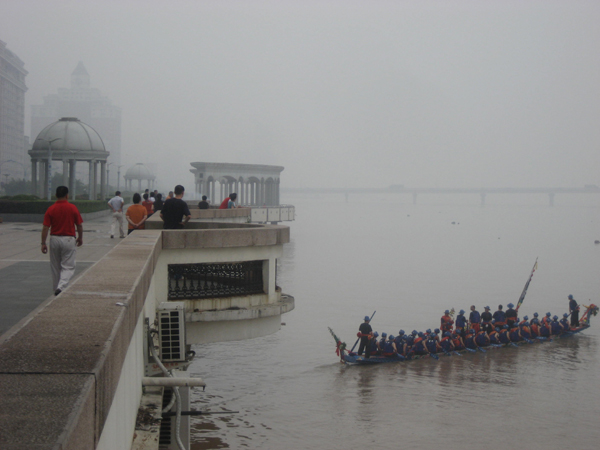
(461, 323)
(486, 320)
(474, 319)
(574, 310)
(203, 204)
(500, 317)
(511, 315)
(364, 329)
(158, 202)
(175, 212)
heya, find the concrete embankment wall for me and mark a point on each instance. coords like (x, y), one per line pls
(59, 372)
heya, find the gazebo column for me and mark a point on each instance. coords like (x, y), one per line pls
(44, 177)
(102, 180)
(277, 199)
(139, 185)
(72, 178)
(252, 201)
(34, 176)
(66, 173)
(90, 179)
(95, 180)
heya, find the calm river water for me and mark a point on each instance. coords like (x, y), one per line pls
(410, 263)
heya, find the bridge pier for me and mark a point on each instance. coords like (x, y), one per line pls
(551, 198)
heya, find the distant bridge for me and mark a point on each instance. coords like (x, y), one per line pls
(482, 192)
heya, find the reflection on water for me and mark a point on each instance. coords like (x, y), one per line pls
(292, 392)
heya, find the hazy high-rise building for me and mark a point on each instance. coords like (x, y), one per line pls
(13, 156)
(90, 106)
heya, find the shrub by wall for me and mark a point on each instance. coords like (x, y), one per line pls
(10, 206)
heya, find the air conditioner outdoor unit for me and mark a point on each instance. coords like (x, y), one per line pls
(171, 331)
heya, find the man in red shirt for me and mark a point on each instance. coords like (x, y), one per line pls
(61, 219)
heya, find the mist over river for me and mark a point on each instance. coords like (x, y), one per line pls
(410, 263)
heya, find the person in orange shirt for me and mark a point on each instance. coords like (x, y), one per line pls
(136, 215)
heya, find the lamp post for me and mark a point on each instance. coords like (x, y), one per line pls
(49, 168)
(108, 177)
(119, 177)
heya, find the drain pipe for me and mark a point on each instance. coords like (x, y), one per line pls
(176, 397)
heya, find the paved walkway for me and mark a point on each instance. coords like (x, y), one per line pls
(25, 279)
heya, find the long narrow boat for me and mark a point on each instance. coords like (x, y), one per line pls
(351, 358)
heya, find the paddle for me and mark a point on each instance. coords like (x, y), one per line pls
(359, 338)
(479, 348)
(447, 354)
(402, 357)
(434, 356)
(456, 353)
(470, 350)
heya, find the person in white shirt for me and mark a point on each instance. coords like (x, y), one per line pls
(116, 204)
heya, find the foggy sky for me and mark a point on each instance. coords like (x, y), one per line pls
(341, 93)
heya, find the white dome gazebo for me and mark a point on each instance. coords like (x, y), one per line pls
(140, 173)
(68, 140)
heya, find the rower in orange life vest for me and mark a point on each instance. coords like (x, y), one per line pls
(547, 319)
(504, 335)
(525, 319)
(461, 323)
(419, 346)
(535, 325)
(511, 315)
(515, 333)
(474, 319)
(446, 343)
(525, 330)
(470, 339)
(482, 339)
(494, 336)
(457, 340)
(545, 329)
(447, 322)
(486, 320)
(499, 317)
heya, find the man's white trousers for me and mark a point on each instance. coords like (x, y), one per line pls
(62, 260)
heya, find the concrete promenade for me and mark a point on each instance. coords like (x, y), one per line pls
(25, 279)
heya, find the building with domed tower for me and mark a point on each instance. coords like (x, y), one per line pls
(90, 106)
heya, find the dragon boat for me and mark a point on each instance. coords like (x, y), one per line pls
(349, 357)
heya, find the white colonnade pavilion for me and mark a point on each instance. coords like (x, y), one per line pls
(255, 184)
